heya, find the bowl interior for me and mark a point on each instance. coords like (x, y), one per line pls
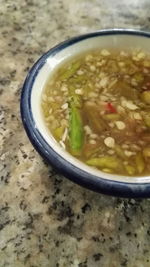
(59, 56)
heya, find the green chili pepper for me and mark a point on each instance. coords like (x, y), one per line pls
(69, 72)
(76, 135)
(140, 164)
(145, 96)
(130, 169)
(105, 162)
(147, 120)
(120, 152)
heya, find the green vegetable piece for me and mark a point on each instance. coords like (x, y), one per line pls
(140, 164)
(147, 119)
(130, 169)
(145, 96)
(138, 77)
(58, 132)
(78, 79)
(105, 162)
(107, 170)
(71, 71)
(112, 117)
(74, 98)
(146, 152)
(76, 136)
(120, 152)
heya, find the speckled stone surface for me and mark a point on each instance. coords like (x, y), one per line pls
(46, 220)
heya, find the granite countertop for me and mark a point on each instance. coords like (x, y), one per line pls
(46, 220)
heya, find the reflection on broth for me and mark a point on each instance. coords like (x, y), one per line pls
(98, 108)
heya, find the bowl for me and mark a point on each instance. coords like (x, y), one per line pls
(39, 135)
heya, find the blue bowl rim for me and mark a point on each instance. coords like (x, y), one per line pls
(92, 182)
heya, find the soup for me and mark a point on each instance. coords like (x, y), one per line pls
(98, 108)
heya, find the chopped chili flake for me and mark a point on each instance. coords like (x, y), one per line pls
(110, 108)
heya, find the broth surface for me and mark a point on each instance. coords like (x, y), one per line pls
(98, 108)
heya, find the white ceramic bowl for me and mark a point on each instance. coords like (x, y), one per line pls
(40, 136)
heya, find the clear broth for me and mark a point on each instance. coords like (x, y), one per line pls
(97, 106)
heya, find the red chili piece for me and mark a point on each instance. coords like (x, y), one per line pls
(111, 108)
